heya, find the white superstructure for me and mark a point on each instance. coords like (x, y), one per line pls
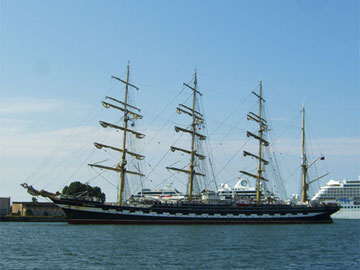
(242, 190)
(346, 193)
(166, 194)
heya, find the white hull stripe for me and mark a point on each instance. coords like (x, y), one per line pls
(190, 215)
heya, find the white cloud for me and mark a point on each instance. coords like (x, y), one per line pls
(40, 144)
(29, 105)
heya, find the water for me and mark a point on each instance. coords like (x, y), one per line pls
(63, 246)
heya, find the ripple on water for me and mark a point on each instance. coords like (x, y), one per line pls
(63, 246)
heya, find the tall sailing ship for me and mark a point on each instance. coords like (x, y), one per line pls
(205, 207)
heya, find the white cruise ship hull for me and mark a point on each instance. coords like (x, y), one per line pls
(348, 210)
(346, 214)
(345, 193)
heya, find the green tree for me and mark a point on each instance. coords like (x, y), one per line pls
(77, 188)
(28, 212)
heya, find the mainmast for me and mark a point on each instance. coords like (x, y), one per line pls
(128, 114)
(262, 142)
(197, 118)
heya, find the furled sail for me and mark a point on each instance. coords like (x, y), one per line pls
(123, 103)
(116, 169)
(201, 137)
(184, 171)
(137, 134)
(199, 119)
(256, 118)
(173, 149)
(108, 105)
(137, 156)
(195, 112)
(265, 142)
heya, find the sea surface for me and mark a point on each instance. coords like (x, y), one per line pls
(63, 246)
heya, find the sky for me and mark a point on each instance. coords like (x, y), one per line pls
(57, 59)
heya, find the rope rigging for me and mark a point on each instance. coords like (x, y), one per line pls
(83, 124)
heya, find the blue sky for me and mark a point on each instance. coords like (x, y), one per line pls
(57, 58)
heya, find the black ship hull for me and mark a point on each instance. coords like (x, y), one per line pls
(83, 212)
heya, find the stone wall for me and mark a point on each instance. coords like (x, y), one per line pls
(36, 209)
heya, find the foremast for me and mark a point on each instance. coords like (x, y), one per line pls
(128, 111)
(197, 118)
(262, 143)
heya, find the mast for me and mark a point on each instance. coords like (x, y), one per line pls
(260, 148)
(262, 142)
(123, 156)
(304, 159)
(305, 165)
(126, 109)
(193, 126)
(197, 118)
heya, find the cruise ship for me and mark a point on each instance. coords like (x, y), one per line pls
(346, 193)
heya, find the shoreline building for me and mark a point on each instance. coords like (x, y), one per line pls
(4, 206)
